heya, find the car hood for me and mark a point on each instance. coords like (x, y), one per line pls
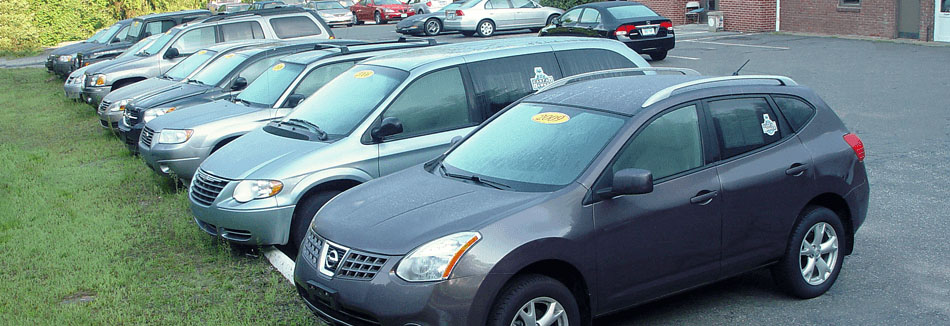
(139, 89)
(412, 207)
(201, 114)
(262, 155)
(169, 94)
(74, 48)
(122, 65)
(334, 11)
(98, 67)
(395, 7)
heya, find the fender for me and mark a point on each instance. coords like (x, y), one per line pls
(324, 176)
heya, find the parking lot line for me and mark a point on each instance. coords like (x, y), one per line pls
(679, 57)
(737, 44)
(281, 262)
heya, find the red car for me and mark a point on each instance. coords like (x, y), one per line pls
(380, 11)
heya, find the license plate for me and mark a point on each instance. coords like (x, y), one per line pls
(648, 31)
(402, 15)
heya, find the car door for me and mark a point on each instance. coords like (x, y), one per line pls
(527, 14)
(589, 24)
(364, 10)
(188, 43)
(566, 23)
(433, 109)
(767, 178)
(500, 12)
(656, 243)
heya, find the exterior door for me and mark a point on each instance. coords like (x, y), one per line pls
(908, 19)
(567, 23)
(527, 15)
(666, 240)
(501, 12)
(942, 21)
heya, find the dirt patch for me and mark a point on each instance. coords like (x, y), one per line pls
(79, 297)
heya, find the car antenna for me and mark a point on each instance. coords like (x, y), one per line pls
(740, 67)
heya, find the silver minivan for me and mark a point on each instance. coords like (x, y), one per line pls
(485, 17)
(381, 116)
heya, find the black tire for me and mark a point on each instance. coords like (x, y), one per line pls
(467, 33)
(436, 27)
(349, 25)
(304, 213)
(658, 55)
(788, 272)
(378, 19)
(519, 291)
(551, 19)
(485, 28)
(420, 12)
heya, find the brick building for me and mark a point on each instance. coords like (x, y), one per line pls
(915, 19)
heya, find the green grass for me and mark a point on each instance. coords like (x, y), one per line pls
(81, 220)
(8, 54)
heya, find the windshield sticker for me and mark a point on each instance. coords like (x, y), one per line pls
(278, 66)
(135, 23)
(202, 52)
(768, 126)
(229, 55)
(550, 118)
(363, 74)
(540, 79)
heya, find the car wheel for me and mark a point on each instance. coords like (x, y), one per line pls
(551, 19)
(349, 25)
(813, 257)
(419, 12)
(485, 28)
(658, 55)
(535, 300)
(304, 213)
(378, 18)
(433, 27)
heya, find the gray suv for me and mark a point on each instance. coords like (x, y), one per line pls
(588, 198)
(183, 139)
(381, 116)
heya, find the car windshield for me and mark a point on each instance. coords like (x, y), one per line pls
(534, 147)
(632, 11)
(329, 5)
(387, 2)
(107, 35)
(134, 30)
(138, 46)
(452, 6)
(158, 44)
(266, 89)
(214, 72)
(95, 37)
(340, 105)
(190, 64)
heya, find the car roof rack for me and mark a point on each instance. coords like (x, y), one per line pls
(344, 48)
(613, 73)
(667, 92)
(258, 12)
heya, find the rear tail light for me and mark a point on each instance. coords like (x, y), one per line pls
(623, 30)
(459, 13)
(856, 144)
(667, 25)
(429, 4)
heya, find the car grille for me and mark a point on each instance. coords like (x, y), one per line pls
(206, 187)
(146, 137)
(104, 105)
(355, 265)
(131, 116)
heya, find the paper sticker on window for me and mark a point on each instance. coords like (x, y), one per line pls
(550, 118)
(135, 23)
(540, 79)
(768, 126)
(202, 52)
(229, 55)
(278, 66)
(363, 74)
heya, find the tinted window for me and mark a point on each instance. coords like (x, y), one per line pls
(321, 76)
(497, 4)
(522, 4)
(135, 29)
(121, 34)
(590, 16)
(241, 31)
(435, 102)
(796, 111)
(158, 44)
(625, 12)
(535, 145)
(575, 62)
(189, 65)
(194, 40)
(572, 16)
(296, 26)
(155, 27)
(669, 145)
(270, 85)
(743, 125)
(499, 82)
(219, 68)
(252, 71)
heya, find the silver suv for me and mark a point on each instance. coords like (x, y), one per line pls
(381, 116)
(186, 39)
(484, 17)
(183, 139)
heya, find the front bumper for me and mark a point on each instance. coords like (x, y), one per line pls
(410, 29)
(651, 44)
(73, 91)
(63, 69)
(396, 15)
(340, 20)
(93, 95)
(130, 135)
(262, 226)
(181, 160)
(108, 119)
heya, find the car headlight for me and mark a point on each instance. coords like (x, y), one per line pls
(388, 10)
(119, 105)
(150, 114)
(248, 190)
(435, 260)
(174, 136)
(100, 79)
(66, 58)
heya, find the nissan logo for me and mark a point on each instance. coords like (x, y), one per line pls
(332, 259)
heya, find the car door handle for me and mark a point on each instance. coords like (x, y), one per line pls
(704, 197)
(796, 169)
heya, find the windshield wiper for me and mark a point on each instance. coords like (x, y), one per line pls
(474, 178)
(166, 77)
(243, 101)
(195, 81)
(321, 135)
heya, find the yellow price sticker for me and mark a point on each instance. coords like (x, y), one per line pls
(364, 74)
(229, 55)
(278, 66)
(550, 118)
(202, 52)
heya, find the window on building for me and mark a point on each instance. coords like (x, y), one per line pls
(849, 2)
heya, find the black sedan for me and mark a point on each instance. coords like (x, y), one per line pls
(425, 24)
(632, 23)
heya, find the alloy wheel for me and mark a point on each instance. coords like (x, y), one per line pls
(542, 311)
(432, 27)
(818, 255)
(486, 28)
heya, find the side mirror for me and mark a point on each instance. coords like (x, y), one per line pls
(293, 100)
(455, 140)
(632, 182)
(171, 53)
(556, 21)
(239, 84)
(115, 40)
(389, 127)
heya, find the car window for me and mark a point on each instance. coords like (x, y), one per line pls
(668, 145)
(189, 65)
(387, 2)
(241, 31)
(571, 16)
(295, 26)
(212, 73)
(252, 71)
(328, 5)
(104, 36)
(575, 62)
(522, 4)
(590, 16)
(135, 30)
(499, 82)
(155, 27)
(268, 87)
(121, 34)
(321, 76)
(497, 4)
(743, 124)
(432, 103)
(194, 40)
(159, 43)
(631, 11)
(796, 111)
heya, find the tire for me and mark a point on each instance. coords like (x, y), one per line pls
(349, 25)
(467, 33)
(432, 27)
(304, 213)
(485, 28)
(378, 19)
(542, 290)
(551, 19)
(658, 55)
(802, 256)
(420, 12)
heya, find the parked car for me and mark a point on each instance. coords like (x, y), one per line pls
(75, 81)
(381, 116)
(257, 5)
(632, 23)
(485, 17)
(427, 6)
(278, 23)
(113, 106)
(425, 24)
(60, 61)
(380, 11)
(332, 12)
(183, 139)
(588, 198)
(223, 78)
(233, 8)
(346, 3)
